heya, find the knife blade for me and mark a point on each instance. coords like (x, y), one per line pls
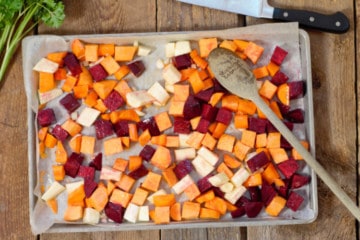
(334, 23)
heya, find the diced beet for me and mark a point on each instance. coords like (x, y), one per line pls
(113, 101)
(46, 117)
(284, 190)
(284, 143)
(295, 116)
(289, 125)
(139, 173)
(121, 128)
(218, 87)
(271, 128)
(258, 161)
(279, 78)
(253, 209)
(218, 192)
(257, 125)
(204, 184)
(296, 89)
(72, 63)
(182, 61)
(209, 112)
(294, 201)
(284, 109)
(203, 125)
(278, 55)
(242, 200)
(96, 162)
(103, 128)
(150, 124)
(298, 180)
(238, 212)
(89, 187)
(147, 152)
(288, 167)
(183, 168)
(70, 103)
(255, 194)
(72, 164)
(181, 125)
(98, 72)
(136, 67)
(86, 172)
(60, 133)
(114, 212)
(224, 116)
(192, 108)
(268, 192)
(205, 95)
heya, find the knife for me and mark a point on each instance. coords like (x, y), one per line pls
(335, 23)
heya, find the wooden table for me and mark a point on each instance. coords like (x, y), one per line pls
(335, 104)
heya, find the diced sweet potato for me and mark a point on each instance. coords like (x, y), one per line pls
(161, 158)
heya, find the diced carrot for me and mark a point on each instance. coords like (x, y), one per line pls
(77, 196)
(152, 214)
(241, 150)
(226, 142)
(46, 82)
(260, 72)
(192, 191)
(58, 172)
(71, 127)
(196, 82)
(73, 213)
(50, 141)
(206, 213)
(152, 182)
(181, 92)
(60, 74)
(176, 108)
(272, 68)
(105, 116)
(134, 162)
(207, 196)
(169, 176)
(254, 180)
(56, 57)
(268, 89)
(209, 141)
(190, 210)
(112, 146)
(125, 183)
(99, 198)
(248, 138)
(215, 98)
(140, 196)
(228, 45)
(125, 53)
(217, 204)
(195, 122)
(241, 121)
(230, 102)
(275, 107)
(133, 132)
(275, 206)
(162, 215)
(273, 140)
(125, 141)
(212, 127)
(223, 168)
(80, 91)
(295, 154)
(241, 55)
(53, 205)
(261, 140)
(127, 114)
(106, 49)
(103, 88)
(161, 158)
(219, 130)
(283, 94)
(206, 45)
(270, 173)
(87, 144)
(185, 73)
(75, 143)
(120, 197)
(122, 72)
(122, 88)
(100, 105)
(60, 153)
(163, 121)
(42, 133)
(231, 162)
(246, 106)
(230, 207)
(110, 65)
(175, 212)
(195, 139)
(78, 48)
(253, 52)
(120, 164)
(172, 141)
(199, 61)
(278, 155)
(164, 200)
(241, 44)
(91, 98)
(91, 52)
(259, 112)
(279, 182)
(208, 83)
(144, 137)
(110, 186)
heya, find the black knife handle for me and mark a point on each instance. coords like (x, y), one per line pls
(335, 23)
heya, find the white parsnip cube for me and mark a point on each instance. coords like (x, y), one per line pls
(158, 192)
(108, 173)
(202, 166)
(144, 214)
(88, 116)
(159, 93)
(91, 216)
(235, 194)
(45, 65)
(131, 213)
(218, 179)
(208, 155)
(185, 153)
(170, 49)
(240, 177)
(182, 47)
(227, 187)
(45, 97)
(70, 187)
(54, 190)
(144, 50)
(183, 139)
(170, 74)
(139, 98)
(160, 64)
(181, 185)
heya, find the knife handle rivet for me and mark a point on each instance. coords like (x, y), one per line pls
(338, 24)
(286, 14)
(312, 19)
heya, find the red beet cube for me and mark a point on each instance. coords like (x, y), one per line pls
(253, 209)
(295, 116)
(284, 190)
(296, 89)
(271, 128)
(72, 63)
(182, 61)
(278, 55)
(46, 117)
(60, 133)
(258, 161)
(242, 200)
(183, 168)
(268, 192)
(203, 184)
(96, 162)
(73, 164)
(139, 173)
(103, 128)
(218, 192)
(203, 125)
(239, 212)
(98, 72)
(205, 95)
(137, 67)
(181, 125)
(255, 194)
(288, 167)
(285, 144)
(284, 109)
(89, 187)
(70, 103)
(114, 212)
(218, 87)
(121, 128)
(224, 116)
(150, 124)
(294, 201)
(257, 125)
(113, 101)
(279, 78)
(86, 172)
(192, 108)
(209, 112)
(298, 180)
(147, 152)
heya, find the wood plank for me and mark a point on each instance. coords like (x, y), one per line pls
(130, 235)
(14, 201)
(333, 73)
(183, 234)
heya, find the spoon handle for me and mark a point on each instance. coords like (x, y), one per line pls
(309, 159)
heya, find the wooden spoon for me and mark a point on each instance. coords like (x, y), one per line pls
(235, 75)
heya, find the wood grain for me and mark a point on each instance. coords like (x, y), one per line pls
(333, 73)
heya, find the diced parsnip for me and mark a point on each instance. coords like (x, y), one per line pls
(144, 50)
(202, 166)
(185, 153)
(159, 93)
(170, 49)
(143, 214)
(180, 186)
(171, 75)
(182, 47)
(138, 98)
(45, 97)
(227, 187)
(45, 65)
(235, 194)
(70, 187)
(159, 192)
(54, 190)
(131, 213)
(88, 116)
(160, 64)
(91, 216)
(240, 177)
(208, 155)
(183, 139)
(218, 179)
(108, 173)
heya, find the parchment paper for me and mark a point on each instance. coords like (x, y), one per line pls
(285, 35)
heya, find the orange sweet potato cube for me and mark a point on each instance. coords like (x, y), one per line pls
(248, 138)
(120, 164)
(176, 108)
(140, 196)
(209, 141)
(223, 168)
(46, 82)
(241, 150)
(181, 92)
(172, 141)
(91, 52)
(112, 146)
(162, 215)
(110, 65)
(261, 140)
(125, 53)
(190, 210)
(206, 45)
(196, 82)
(170, 176)
(241, 121)
(87, 144)
(278, 155)
(161, 158)
(121, 197)
(106, 49)
(195, 139)
(134, 162)
(267, 89)
(192, 191)
(226, 143)
(163, 121)
(152, 182)
(273, 140)
(231, 162)
(71, 127)
(125, 183)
